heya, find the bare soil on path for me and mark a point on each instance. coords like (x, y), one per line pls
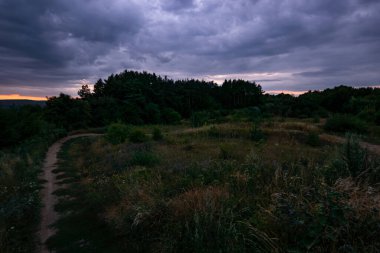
(372, 148)
(48, 215)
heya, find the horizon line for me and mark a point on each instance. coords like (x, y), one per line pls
(21, 97)
(18, 96)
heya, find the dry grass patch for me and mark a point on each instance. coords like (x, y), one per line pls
(206, 201)
(301, 126)
(363, 199)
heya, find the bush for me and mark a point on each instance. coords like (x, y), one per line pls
(313, 139)
(144, 158)
(213, 132)
(345, 123)
(138, 136)
(117, 133)
(228, 152)
(354, 156)
(170, 116)
(256, 134)
(157, 134)
(199, 119)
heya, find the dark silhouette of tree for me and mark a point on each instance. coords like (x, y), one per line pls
(84, 92)
(68, 112)
(142, 97)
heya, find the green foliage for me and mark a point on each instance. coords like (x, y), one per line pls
(345, 123)
(256, 134)
(157, 134)
(352, 161)
(85, 92)
(254, 114)
(214, 132)
(228, 152)
(117, 133)
(145, 158)
(142, 97)
(311, 225)
(316, 119)
(133, 112)
(68, 112)
(138, 136)
(19, 124)
(335, 170)
(354, 156)
(170, 116)
(313, 139)
(342, 99)
(199, 119)
(153, 113)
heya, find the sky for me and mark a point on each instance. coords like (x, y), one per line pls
(48, 47)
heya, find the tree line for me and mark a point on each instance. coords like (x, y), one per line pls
(143, 98)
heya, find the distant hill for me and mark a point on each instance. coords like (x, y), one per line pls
(16, 103)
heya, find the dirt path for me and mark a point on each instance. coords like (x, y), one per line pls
(48, 214)
(372, 148)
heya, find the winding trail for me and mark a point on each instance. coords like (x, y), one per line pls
(48, 214)
(372, 148)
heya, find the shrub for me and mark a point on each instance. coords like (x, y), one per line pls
(316, 119)
(316, 224)
(354, 156)
(170, 116)
(144, 158)
(227, 152)
(117, 133)
(254, 114)
(313, 139)
(157, 134)
(213, 132)
(345, 123)
(256, 134)
(351, 161)
(138, 136)
(337, 169)
(199, 119)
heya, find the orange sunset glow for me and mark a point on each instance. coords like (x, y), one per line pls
(293, 93)
(20, 97)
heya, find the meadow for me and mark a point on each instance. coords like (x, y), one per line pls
(236, 185)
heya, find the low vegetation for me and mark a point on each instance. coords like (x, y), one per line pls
(215, 190)
(344, 123)
(19, 191)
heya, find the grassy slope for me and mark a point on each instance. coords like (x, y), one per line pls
(215, 190)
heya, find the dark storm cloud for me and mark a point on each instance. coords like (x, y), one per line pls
(54, 43)
(175, 5)
(283, 44)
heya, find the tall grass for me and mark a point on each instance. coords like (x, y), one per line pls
(281, 196)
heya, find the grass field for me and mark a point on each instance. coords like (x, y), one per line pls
(228, 187)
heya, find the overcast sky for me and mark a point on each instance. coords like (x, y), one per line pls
(51, 46)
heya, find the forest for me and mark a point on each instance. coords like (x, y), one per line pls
(193, 166)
